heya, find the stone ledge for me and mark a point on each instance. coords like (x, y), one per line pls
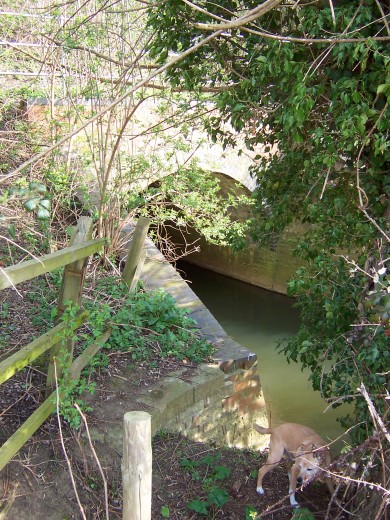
(158, 272)
(220, 402)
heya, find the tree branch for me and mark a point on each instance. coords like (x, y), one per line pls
(140, 84)
(248, 17)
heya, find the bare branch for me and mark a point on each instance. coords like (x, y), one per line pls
(96, 458)
(376, 418)
(63, 445)
(248, 17)
(360, 190)
(384, 18)
(140, 84)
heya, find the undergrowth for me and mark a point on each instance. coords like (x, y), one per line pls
(211, 475)
(147, 325)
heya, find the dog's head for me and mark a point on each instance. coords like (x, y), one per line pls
(310, 459)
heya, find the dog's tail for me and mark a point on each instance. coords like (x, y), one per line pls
(260, 429)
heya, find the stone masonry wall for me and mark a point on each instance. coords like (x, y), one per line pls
(220, 403)
(270, 268)
(210, 407)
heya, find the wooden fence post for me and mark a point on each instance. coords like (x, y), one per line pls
(74, 274)
(134, 255)
(71, 290)
(137, 466)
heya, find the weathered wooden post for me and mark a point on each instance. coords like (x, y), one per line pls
(71, 290)
(136, 253)
(74, 274)
(137, 466)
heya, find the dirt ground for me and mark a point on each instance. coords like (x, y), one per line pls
(40, 482)
(40, 479)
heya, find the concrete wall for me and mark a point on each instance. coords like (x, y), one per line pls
(270, 268)
(209, 156)
(222, 400)
(267, 267)
(210, 407)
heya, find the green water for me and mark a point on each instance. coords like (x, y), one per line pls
(258, 320)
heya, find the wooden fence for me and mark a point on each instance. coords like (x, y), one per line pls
(137, 481)
(75, 259)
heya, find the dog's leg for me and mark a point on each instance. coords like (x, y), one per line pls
(268, 466)
(332, 491)
(293, 473)
(274, 458)
(328, 477)
(289, 465)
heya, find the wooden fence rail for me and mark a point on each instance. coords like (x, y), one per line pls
(75, 259)
(137, 460)
(33, 350)
(136, 253)
(16, 274)
(11, 447)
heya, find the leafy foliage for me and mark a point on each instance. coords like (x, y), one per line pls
(71, 390)
(317, 112)
(105, 170)
(303, 514)
(193, 197)
(35, 198)
(209, 473)
(149, 325)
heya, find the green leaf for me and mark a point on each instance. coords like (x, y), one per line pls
(199, 506)
(12, 231)
(251, 513)
(221, 472)
(37, 186)
(208, 459)
(303, 514)
(218, 496)
(165, 511)
(43, 214)
(384, 87)
(45, 203)
(31, 204)
(238, 106)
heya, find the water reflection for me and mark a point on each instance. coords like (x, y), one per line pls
(259, 319)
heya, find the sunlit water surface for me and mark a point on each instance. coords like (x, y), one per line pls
(259, 319)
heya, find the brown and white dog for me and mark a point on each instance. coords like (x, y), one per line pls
(307, 453)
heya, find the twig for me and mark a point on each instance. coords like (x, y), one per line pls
(371, 485)
(360, 190)
(325, 183)
(386, 23)
(96, 458)
(6, 506)
(63, 444)
(248, 17)
(332, 11)
(100, 113)
(377, 420)
(20, 247)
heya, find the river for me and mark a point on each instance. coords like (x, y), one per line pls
(258, 319)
